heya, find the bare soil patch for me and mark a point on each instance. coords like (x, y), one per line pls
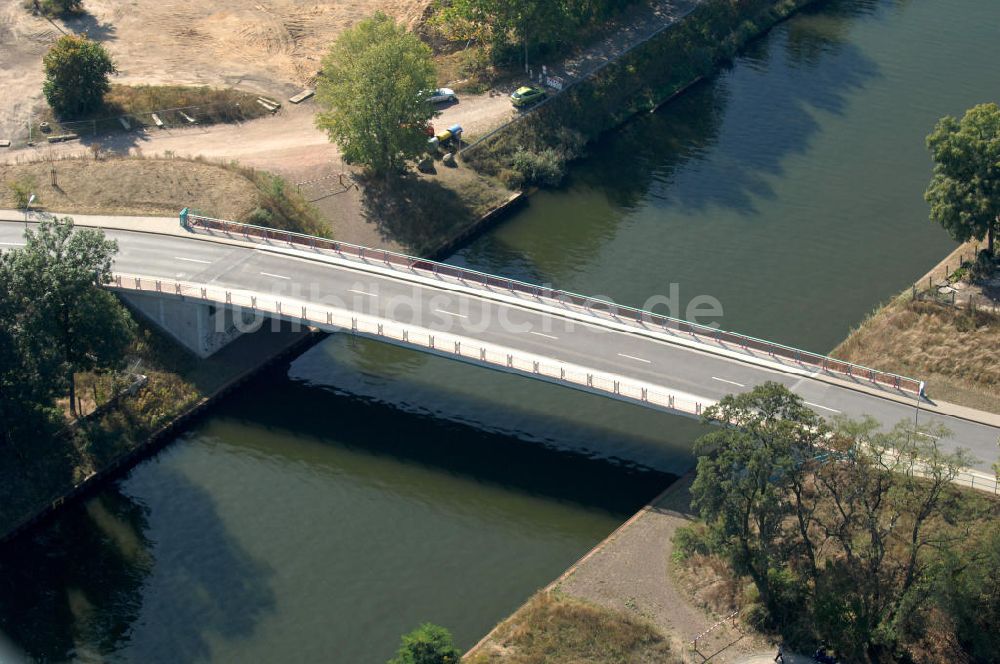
(133, 186)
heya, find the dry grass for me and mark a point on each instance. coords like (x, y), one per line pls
(551, 629)
(133, 186)
(957, 351)
(161, 187)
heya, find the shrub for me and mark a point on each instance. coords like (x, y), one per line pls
(427, 644)
(21, 190)
(545, 168)
(689, 540)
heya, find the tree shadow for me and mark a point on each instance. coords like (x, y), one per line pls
(412, 211)
(103, 579)
(83, 22)
(722, 143)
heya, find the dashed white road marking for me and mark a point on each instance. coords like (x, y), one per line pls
(13, 244)
(633, 357)
(192, 260)
(731, 382)
(810, 403)
(276, 276)
(361, 292)
(541, 334)
(450, 313)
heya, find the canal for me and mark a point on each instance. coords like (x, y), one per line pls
(358, 490)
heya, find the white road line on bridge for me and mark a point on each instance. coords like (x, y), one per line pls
(361, 292)
(276, 276)
(13, 244)
(633, 357)
(450, 313)
(192, 260)
(540, 334)
(816, 405)
(731, 382)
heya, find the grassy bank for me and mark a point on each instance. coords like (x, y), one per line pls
(175, 105)
(161, 186)
(32, 477)
(559, 629)
(536, 150)
(956, 350)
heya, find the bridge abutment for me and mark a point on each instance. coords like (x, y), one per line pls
(202, 328)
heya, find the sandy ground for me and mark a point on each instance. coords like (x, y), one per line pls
(268, 46)
(630, 572)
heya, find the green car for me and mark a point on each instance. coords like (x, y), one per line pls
(526, 95)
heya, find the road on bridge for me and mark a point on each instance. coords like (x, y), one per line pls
(638, 357)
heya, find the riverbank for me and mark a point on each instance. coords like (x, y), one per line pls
(628, 575)
(955, 349)
(179, 388)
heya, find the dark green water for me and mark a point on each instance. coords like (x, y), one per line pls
(359, 490)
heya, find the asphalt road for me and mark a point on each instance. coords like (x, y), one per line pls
(634, 356)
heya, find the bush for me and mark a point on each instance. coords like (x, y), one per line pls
(21, 189)
(427, 644)
(545, 168)
(689, 540)
(510, 178)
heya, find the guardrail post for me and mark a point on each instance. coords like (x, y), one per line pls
(329, 318)
(138, 283)
(177, 288)
(590, 380)
(670, 401)
(204, 293)
(381, 330)
(229, 297)
(617, 387)
(304, 316)
(430, 341)
(158, 288)
(510, 360)
(458, 348)
(118, 280)
(482, 354)
(534, 366)
(645, 395)
(277, 306)
(406, 336)
(354, 325)
(697, 408)
(562, 373)
(253, 301)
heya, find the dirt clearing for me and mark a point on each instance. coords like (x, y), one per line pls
(267, 46)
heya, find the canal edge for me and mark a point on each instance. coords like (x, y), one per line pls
(154, 442)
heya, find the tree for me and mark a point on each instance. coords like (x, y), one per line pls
(747, 471)
(428, 644)
(76, 75)
(964, 193)
(58, 7)
(28, 369)
(57, 276)
(374, 89)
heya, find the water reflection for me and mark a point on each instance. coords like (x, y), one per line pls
(79, 588)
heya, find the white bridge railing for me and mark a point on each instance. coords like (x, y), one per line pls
(598, 308)
(442, 343)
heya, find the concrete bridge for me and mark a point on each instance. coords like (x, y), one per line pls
(206, 281)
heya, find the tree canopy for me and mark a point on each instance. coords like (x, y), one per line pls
(964, 192)
(845, 529)
(63, 322)
(76, 75)
(427, 644)
(374, 87)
